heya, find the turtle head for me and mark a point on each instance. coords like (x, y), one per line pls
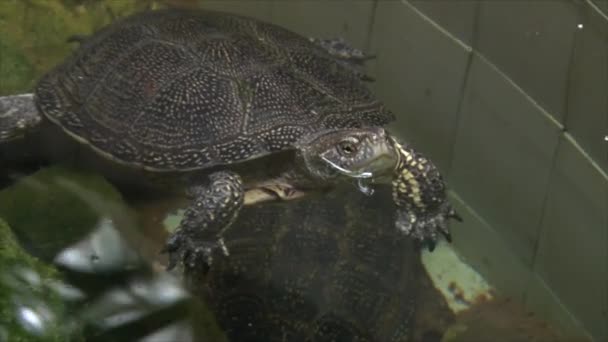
(371, 155)
(354, 154)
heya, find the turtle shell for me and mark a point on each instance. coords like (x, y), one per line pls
(183, 90)
(327, 268)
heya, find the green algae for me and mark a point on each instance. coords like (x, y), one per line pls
(47, 214)
(24, 284)
(16, 72)
(11, 254)
(35, 32)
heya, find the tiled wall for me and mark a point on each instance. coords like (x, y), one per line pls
(529, 155)
(510, 98)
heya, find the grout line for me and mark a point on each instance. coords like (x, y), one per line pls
(459, 113)
(544, 203)
(597, 9)
(370, 26)
(437, 26)
(576, 38)
(586, 155)
(462, 92)
(529, 98)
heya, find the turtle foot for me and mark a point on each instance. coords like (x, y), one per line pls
(427, 227)
(214, 207)
(192, 254)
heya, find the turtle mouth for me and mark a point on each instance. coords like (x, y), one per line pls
(364, 179)
(350, 173)
(364, 185)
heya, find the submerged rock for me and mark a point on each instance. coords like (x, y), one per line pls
(84, 235)
(58, 206)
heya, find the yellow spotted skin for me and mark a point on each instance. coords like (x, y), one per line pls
(413, 173)
(419, 194)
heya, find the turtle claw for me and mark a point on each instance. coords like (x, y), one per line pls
(193, 255)
(427, 227)
(453, 214)
(430, 245)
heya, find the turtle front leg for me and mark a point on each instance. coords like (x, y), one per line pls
(419, 192)
(214, 208)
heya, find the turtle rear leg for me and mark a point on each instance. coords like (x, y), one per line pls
(18, 116)
(348, 56)
(339, 48)
(214, 208)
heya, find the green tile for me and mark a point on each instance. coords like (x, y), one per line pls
(531, 41)
(573, 257)
(419, 75)
(484, 249)
(457, 17)
(541, 300)
(326, 19)
(587, 116)
(259, 9)
(502, 156)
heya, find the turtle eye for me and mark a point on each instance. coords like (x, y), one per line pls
(348, 147)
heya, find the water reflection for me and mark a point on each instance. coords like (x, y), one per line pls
(34, 320)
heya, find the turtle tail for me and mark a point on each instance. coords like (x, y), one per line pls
(18, 116)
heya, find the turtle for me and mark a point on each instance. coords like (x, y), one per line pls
(223, 108)
(325, 268)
